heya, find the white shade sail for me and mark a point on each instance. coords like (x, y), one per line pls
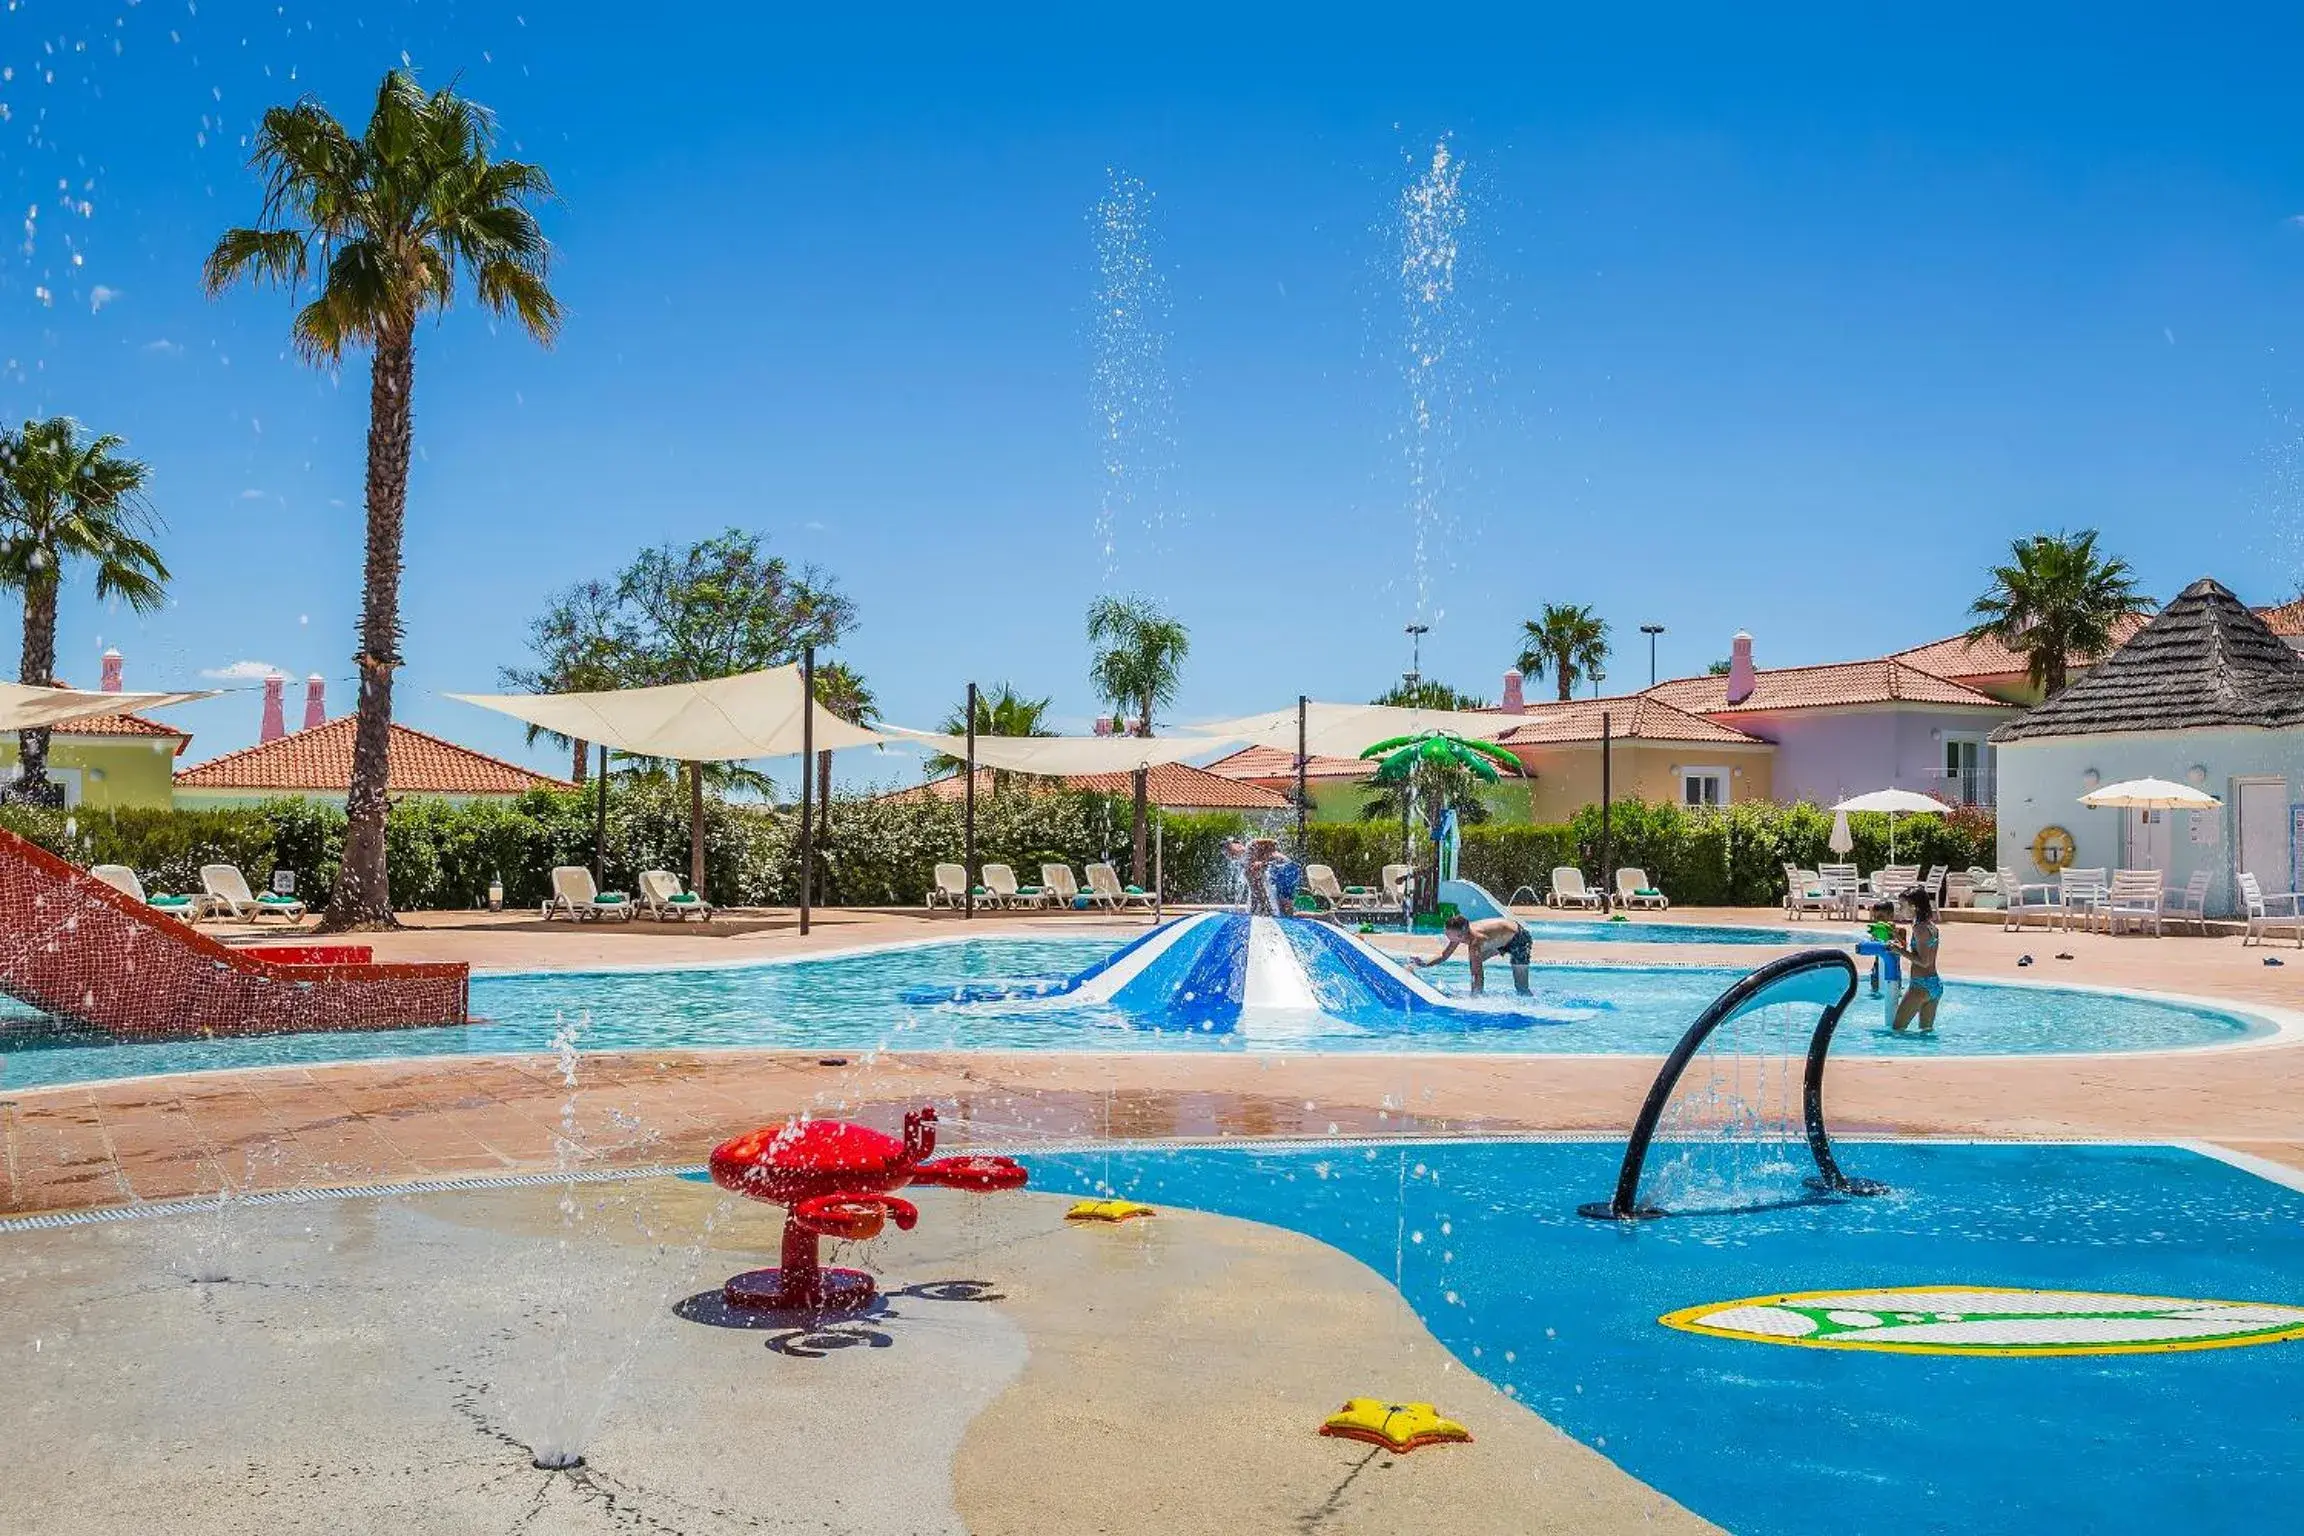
(23, 708)
(2149, 795)
(1347, 730)
(729, 719)
(1065, 755)
(1895, 802)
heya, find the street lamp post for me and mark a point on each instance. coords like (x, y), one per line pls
(1416, 634)
(1651, 631)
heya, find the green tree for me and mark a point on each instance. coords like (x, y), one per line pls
(2057, 601)
(581, 646)
(1000, 711)
(841, 689)
(714, 609)
(384, 224)
(67, 498)
(1427, 693)
(1136, 666)
(1571, 642)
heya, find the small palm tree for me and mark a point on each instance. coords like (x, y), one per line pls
(1570, 641)
(1002, 711)
(578, 649)
(1139, 661)
(2057, 601)
(65, 497)
(385, 224)
(841, 689)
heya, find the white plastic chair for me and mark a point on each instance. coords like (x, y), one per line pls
(2081, 893)
(2133, 899)
(2017, 903)
(2269, 913)
(2189, 905)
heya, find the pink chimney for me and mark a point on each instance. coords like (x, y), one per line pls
(1740, 676)
(111, 683)
(315, 701)
(1515, 701)
(275, 725)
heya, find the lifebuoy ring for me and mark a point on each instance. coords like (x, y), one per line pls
(2052, 850)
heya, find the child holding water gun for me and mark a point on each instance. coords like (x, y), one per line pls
(1882, 930)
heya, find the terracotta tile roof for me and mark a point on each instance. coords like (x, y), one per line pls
(120, 725)
(1641, 717)
(2286, 620)
(1959, 658)
(1273, 763)
(321, 759)
(1178, 786)
(2203, 661)
(1886, 681)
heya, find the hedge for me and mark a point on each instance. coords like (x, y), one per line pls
(441, 855)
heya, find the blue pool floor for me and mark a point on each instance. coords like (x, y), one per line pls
(1560, 1311)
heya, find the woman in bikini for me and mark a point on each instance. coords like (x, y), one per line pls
(1927, 990)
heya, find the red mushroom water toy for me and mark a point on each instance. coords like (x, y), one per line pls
(836, 1180)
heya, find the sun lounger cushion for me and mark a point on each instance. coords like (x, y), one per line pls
(270, 899)
(170, 901)
(684, 899)
(1133, 890)
(1646, 890)
(609, 899)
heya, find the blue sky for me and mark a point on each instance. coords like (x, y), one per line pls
(1785, 324)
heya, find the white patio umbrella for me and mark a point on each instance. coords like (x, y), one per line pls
(1896, 802)
(1842, 841)
(2149, 795)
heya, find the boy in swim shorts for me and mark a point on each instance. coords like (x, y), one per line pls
(1882, 928)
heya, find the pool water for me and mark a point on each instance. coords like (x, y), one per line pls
(1634, 931)
(1483, 1241)
(855, 1003)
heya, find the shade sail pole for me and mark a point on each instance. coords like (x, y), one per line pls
(807, 780)
(968, 818)
(1607, 852)
(600, 824)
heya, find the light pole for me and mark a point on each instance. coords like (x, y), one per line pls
(1416, 634)
(1651, 631)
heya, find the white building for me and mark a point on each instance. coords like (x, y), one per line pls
(2205, 694)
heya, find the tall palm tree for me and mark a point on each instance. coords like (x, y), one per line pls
(65, 498)
(1000, 711)
(2056, 601)
(384, 224)
(1570, 640)
(1138, 662)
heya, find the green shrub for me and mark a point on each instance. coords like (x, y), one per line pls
(1735, 855)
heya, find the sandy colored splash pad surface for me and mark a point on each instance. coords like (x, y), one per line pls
(395, 1363)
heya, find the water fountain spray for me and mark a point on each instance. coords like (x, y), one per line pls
(1128, 387)
(1432, 218)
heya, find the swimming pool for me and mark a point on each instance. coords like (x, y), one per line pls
(854, 1002)
(1564, 1313)
(1600, 930)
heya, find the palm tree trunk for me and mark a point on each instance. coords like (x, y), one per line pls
(1137, 868)
(696, 828)
(1567, 679)
(580, 761)
(363, 895)
(37, 671)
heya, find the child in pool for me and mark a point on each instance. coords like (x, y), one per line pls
(1920, 948)
(1882, 928)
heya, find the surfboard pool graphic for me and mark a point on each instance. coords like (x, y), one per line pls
(1990, 1320)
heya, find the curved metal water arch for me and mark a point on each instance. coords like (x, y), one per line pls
(1749, 991)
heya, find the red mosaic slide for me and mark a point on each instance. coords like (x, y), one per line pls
(75, 948)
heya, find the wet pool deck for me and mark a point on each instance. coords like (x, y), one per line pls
(385, 1122)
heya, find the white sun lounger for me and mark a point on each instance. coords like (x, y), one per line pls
(574, 894)
(1634, 889)
(1569, 890)
(228, 888)
(126, 881)
(664, 898)
(1062, 886)
(1000, 880)
(1104, 884)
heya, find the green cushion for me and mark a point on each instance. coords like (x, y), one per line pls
(979, 891)
(271, 899)
(1647, 890)
(171, 901)
(1135, 890)
(610, 899)
(685, 898)
(1028, 890)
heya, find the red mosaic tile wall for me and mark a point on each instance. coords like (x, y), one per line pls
(75, 948)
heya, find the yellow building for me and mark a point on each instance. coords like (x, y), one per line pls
(109, 761)
(1656, 753)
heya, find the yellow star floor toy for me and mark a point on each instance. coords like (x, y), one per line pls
(1108, 1210)
(1398, 1427)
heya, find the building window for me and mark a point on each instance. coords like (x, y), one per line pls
(1703, 786)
